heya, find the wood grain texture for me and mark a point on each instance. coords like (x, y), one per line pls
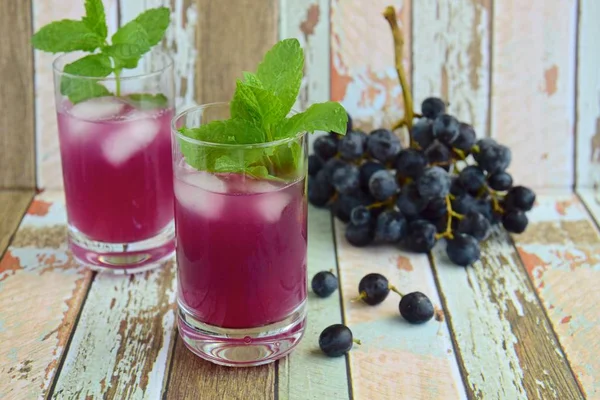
(363, 77)
(121, 347)
(194, 378)
(396, 360)
(588, 96)
(507, 347)
(13, 204)
(307, 373)
(451, 58)
(17, 154)
(561, 253)
(231, 38)
(49, 169)
(179, 42)
(533, 88)
(41, 292)
(308, 21)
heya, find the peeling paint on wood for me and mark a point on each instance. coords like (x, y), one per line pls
(506, 345)
(41, 292)
(307, 373)
(396, 360)
(533, 87)
(566, 275)
(122, 342)
(451, 57)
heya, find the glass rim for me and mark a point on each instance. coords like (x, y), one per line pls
(197, 142)
(169, 62)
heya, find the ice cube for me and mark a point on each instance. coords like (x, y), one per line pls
(271, 205)
(96, 109)
(131, 138)
(199, 192)
(79, 128)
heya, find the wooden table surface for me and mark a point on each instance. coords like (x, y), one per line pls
(521, 323)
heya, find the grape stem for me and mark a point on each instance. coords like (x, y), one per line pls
(357, 341)
(390, 16)
(395, 290)
(495, 203)
(362, 295)
(451, 214)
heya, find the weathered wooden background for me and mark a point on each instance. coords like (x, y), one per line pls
(518, 324)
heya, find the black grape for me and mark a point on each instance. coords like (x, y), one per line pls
(325, 147)
(314, 164)
(420, 237)
(445, 128)
(391, 226)
(466, 137)
(346, 179)
(383, 145)
(352, 146)
(463, 249)
(520, 198)
(359, 236)
(410, 163)
(431, 107)
(500, 181)
(472, 178)
(422, 133)
(474, 224)
(515, 221)
(433, 182)
(367, 170)
(437, 153)
(382, 185)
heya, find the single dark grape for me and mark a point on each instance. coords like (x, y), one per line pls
(359, 236)
(422, 133)
(382, 185)
(520, 198)
(360, 215)
(463, 249)
(500, 181)
(416, 308)
(431, 107)
(410, 163)
(456, 188)
(336, 340)
(409, 202)
(433, 182)
(437, 153)
(462, 204)
(383, 145)
(349, 124)
(314, 164)
(420, 237)
(436, 208)
(474, 224)
(367, 170)
(466, 137)
(391, 226)
(352, 146)
(373, 288)
(492, 157)
(445, 128)
(346, 179)
(472, 178)
(325, 147)
(319, 190)
(324, 283)
(515, 221)
(345, 203)
(331, 166)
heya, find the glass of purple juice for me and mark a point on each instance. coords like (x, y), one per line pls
(116, 157)
(241, 244)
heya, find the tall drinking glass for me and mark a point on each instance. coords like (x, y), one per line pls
(241, 245)
(116, 157)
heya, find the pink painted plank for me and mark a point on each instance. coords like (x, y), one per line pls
(561, 252)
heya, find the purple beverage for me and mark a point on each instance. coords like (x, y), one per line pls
(241, 248)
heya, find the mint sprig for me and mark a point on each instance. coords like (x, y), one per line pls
(259, 113)
(128, 44)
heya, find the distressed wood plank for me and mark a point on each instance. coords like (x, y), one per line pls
(195, 378)
(233, 36)
(397, 360)
(13, 205)
(451, 57)
(179, 42)
(308, 21)
(363, 77)
(591, 199)
(41, 291)
(121, 347)
(588, 95)
(561, 253)
(17, 144)
(533, 88)
(506, 345)
(306, 373)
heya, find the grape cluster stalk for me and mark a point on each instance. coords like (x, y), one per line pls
(445, 186)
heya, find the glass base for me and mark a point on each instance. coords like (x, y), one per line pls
(242, 347)
(123, 258)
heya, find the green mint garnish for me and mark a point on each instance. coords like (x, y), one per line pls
(128, 44)
(259, 114)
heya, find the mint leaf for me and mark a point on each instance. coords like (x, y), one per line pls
(144, 101)
(95, 18)
(329, 116)
(227, 164)
(252, 80)
(229, 131)
(155, 22)
(281, 71)
(95, 65)
(65, 36)
(259, 106)
(129, 44)
(80, 90)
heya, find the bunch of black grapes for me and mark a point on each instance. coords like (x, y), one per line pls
(446, 185)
